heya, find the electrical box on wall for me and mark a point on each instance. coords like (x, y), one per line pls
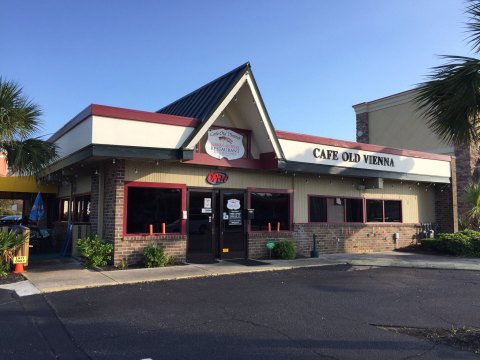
(376, 183)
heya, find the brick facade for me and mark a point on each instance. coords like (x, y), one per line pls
(466, 162)
(362, 128)
(338, 238)
(353, 238)
(257, 242)
(446, 207)
(131, 247)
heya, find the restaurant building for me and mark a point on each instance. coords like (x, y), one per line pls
(208, 176)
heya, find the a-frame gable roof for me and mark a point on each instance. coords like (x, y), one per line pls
(206, 103)
(201, 103)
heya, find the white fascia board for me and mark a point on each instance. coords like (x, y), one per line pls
(361, 159)
(271, 133)
(244, 79)
(122, 132)
(75, 139)
(205, 126)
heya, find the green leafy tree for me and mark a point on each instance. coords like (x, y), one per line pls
(19, 124)
(450, 99)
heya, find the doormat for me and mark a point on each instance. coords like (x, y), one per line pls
(247, 262)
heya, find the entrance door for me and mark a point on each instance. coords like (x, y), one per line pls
(201, 244)
(232, 224)
(215, 223)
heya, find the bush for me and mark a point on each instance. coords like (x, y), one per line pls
(155, 256)
(284, 249)
(463, 243)
(96, 252)
(10, 242)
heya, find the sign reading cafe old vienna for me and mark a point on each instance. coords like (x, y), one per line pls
(224, 143)
(353, 157)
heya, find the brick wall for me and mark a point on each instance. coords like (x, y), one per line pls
(258, 240)
(131, 247)
(466, 161)
(353, 238)
(362, 128)
(113, 206)
(446, 207)
(337, 238)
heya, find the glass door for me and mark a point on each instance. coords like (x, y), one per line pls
(232, 237)
(200, 218)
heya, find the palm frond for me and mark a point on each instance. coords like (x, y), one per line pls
(29, 157)
(450, 100)
(473, 24)
(19, 117)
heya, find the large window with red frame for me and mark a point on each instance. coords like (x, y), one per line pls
(270, 208)
(383, 210)
(335, 209)
(155, 206)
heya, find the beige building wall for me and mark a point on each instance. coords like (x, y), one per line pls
(418, 202)
(395, 122)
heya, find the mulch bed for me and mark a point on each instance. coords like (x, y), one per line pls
(463, 338)
(11, 278)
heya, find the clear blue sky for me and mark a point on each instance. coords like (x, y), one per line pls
(312, 59)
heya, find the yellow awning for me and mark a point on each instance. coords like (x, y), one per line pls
(26, 184)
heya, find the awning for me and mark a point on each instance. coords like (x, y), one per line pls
(25, 184)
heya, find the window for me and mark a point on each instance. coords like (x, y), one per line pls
(384, 210)
(81, 212)
(153, 205)
(79, 208)
(335, 209)
(270, 208)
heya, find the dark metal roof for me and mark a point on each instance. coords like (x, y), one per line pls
(201, 103)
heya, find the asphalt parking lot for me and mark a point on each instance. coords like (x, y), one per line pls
(310, 313)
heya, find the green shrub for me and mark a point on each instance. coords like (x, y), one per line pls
(10, 242)
(96, 252)
(155, 256)
(284, 249)
(433, 245)
(463, 243)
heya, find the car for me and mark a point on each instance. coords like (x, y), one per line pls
(10, 220)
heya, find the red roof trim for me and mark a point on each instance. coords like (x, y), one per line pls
(126, 114)
(360, 146)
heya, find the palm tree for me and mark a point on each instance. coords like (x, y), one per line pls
(472, 197)
(19, 123)
(450, 99)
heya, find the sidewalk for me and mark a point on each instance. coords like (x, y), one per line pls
(68, 274)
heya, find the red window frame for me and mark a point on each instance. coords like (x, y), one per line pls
(344, 209)
(383, 212)
(364, 206)
(273, 191)
(183, 205)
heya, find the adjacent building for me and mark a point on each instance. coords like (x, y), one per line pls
(395, 121)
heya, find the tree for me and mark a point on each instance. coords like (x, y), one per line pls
(450, 99)
(19, 123)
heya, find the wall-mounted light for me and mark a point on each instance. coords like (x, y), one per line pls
(136, 171)
(113, 161)
(96, 172)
